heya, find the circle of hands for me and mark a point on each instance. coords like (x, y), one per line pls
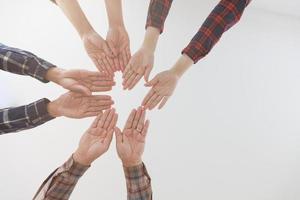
(109, 56)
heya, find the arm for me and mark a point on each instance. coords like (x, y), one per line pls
(22, 62)
(117, 37)
(130, 148)
(141, 63)
(223, 17)
(70, 105)
(94, 143)
(96, 47)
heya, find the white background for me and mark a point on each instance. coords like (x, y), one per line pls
(231, 131)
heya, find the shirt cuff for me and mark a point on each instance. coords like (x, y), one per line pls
(194, 53)
(74, 168)
(38, 111)
(137, 178)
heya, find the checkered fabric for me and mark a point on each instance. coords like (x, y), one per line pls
(224, 16)
(60, 184)
(24, 63)
(138, 183)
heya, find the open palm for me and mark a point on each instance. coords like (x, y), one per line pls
(131, 143)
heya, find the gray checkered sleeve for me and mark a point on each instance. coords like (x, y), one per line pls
(138, 183)
(24, 117)
(22, 62)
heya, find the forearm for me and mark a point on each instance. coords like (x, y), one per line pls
(138, 182)
(226, 14)
(182, 65)
(114, 13)
(24, 117)
(61, 183)
(151, 39)
(23, 62)
(74, 13)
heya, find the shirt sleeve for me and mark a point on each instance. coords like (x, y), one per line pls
(226, 14)
(138, 183)
(24, 117)
(61, 183)
(22, 62)
(157, 13)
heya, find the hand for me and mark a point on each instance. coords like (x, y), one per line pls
(163, 86)
(81, 81)
(131, 143)
(139, 65)
(78, 106)
(96, 140)
(97, 49)
(118, 42)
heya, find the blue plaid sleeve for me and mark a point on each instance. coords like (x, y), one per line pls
(22, 62)
(24, 117)
(138, 183)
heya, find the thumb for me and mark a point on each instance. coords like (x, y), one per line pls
(153, 81)
(147, 73)
(81, 89)
(118, 134)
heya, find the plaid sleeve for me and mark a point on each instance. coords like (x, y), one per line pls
(138, 183)
(157, 13)
(60, 184)
(24, 117)
(223, 17)
(23, 62)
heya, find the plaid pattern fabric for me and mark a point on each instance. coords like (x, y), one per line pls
(24, 117)
(223, 17)
(61, 183)
(157, 13)
(22, 62)
(138, 183)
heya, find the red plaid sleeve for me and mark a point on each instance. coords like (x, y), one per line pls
(138, 183)
(60, 184)
(157, 13)
(223, 17)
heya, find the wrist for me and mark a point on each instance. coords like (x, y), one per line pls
(81, 159)
(132, 163)
(52, 109)
(54, 74)
(182, 64)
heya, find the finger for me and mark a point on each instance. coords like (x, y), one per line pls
(137, 117)
(103, 118)
(119, 136)
(108, 138)
(155, 102)
(147, 73)
(129, 121)
(108, 65)
(141, 121)
(109, 119)
(164, 101)
(127, 69)
(128, 75)
(153, 82)
(129, 82)
(113, 122)
(98, 65)
(128, 53)
(148, 97)
(145, 129)
(103, 66)
(103, 83)
(99, 97)
(91, 114)
(125, 60)
(98, 109)
(116, 64)
(121, 61)
(107, 51)
(97, 103)
(95, 122)
(149, 103)
(135, 81)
